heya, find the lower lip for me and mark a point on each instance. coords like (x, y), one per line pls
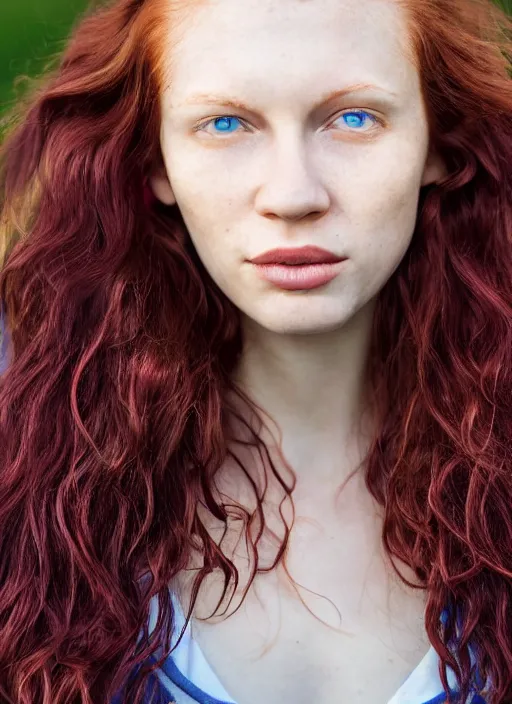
(302, 277)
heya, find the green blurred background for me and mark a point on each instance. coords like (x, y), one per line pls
(32, 31)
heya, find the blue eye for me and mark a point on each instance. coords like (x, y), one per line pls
(223, 124)
(227, 124)
(356, 118)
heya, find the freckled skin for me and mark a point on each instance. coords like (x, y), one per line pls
(288, 171)
(290, 179)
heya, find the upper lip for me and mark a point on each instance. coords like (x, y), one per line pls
(300, 255)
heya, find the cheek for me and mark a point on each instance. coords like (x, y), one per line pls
(205, 173)
(206, 197)
(203, 195)
(381, 209)
(379, 192)
(385, 241)
(209, 230)
(388, 225)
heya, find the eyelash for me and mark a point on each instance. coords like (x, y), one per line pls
(356, 111)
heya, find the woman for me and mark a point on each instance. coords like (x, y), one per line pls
(257, 282)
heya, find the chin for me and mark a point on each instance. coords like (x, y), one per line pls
(301, 324)
(300, 316)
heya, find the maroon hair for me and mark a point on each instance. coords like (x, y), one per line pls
(113, 410)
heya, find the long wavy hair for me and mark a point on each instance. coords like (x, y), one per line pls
(114, 416)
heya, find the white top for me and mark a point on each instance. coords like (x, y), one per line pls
(189, 679)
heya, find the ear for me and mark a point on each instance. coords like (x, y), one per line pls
(434, 170)
(161, 186)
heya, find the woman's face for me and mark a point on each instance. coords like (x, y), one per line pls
(258, 156)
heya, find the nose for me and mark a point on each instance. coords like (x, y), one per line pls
(293, 189)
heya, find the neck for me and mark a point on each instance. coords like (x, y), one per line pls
(313, 387)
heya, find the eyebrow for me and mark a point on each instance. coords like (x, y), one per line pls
(210, 99)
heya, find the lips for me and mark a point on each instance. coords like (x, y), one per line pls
(297, 256)
(300, 269)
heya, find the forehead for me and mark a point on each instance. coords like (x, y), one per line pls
(278, 47)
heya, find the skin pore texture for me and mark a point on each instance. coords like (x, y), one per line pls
(284, 168)
(134, 468)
